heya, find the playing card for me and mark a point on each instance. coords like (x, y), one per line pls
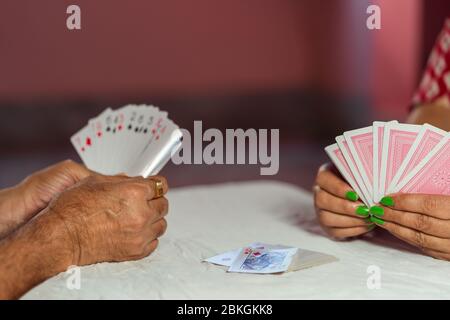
(339, 161)
(343, 146)
(224, 259)
(263, 261)
(306, 259)
(118, 138)
(432, 174)
(83, 143)
(300, 260)
(227, 258)
(166, 138)
(360, 143)
(96, 126)
(378, 135)
(397, 141)
(133, 140)
(427, 139)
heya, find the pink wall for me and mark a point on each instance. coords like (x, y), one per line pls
(141, 46)
(204, 47)
(396, 56)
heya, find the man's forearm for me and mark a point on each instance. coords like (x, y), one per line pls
(11, 209)
(437, 114)
(33, 254)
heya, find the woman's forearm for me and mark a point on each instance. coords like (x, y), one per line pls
(437, 114)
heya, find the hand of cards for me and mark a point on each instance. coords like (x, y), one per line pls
(389, 157)
(136, 140)
(265, 258)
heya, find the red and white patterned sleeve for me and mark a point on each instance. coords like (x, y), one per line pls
(435, 83)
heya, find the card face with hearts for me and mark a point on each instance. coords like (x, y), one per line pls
(83, 143)
(266, 258)
(390, 157)
(251, 260)
(432, 174)
(137, 140)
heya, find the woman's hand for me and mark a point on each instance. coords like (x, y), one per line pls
(23, 202)
(421, 220)
(340, 213)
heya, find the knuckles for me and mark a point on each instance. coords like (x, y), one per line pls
(419, 239)
(133, 191)
(422, 223)
(138, 220)
(430, 204)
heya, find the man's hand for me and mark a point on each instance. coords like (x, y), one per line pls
(340, 213)
(421, 220)
(112, 218)
(39, 188)
(21, 203)
(100, 219)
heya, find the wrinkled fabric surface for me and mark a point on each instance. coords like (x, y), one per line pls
(207, 220)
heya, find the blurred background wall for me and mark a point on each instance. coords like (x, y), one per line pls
(308, 67)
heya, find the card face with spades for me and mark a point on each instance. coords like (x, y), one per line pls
(136, 140)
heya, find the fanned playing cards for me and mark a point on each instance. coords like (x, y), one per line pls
(391, 157)
(136, 140)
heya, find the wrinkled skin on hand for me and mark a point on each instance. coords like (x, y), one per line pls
(21, 203)
(111, 218)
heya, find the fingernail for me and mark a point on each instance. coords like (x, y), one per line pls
(377, 211)
(387, 201)
(352, 196)
(362, 211)
(376, 220)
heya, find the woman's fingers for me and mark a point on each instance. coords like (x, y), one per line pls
(437, 206)
(331, 219)
(330, 182)
(329, 202)
(417, 221)
(415, 237)
(343, 233)
(437, 254)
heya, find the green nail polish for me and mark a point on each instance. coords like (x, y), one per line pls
(367, 220)
(376, 220)
(387, 201)
(362, 211)
(352, 196)
(377, 211)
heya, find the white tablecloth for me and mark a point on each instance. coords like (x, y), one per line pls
(207, 220)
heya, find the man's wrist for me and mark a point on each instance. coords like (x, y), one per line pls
(34, 253)
(12, 209)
